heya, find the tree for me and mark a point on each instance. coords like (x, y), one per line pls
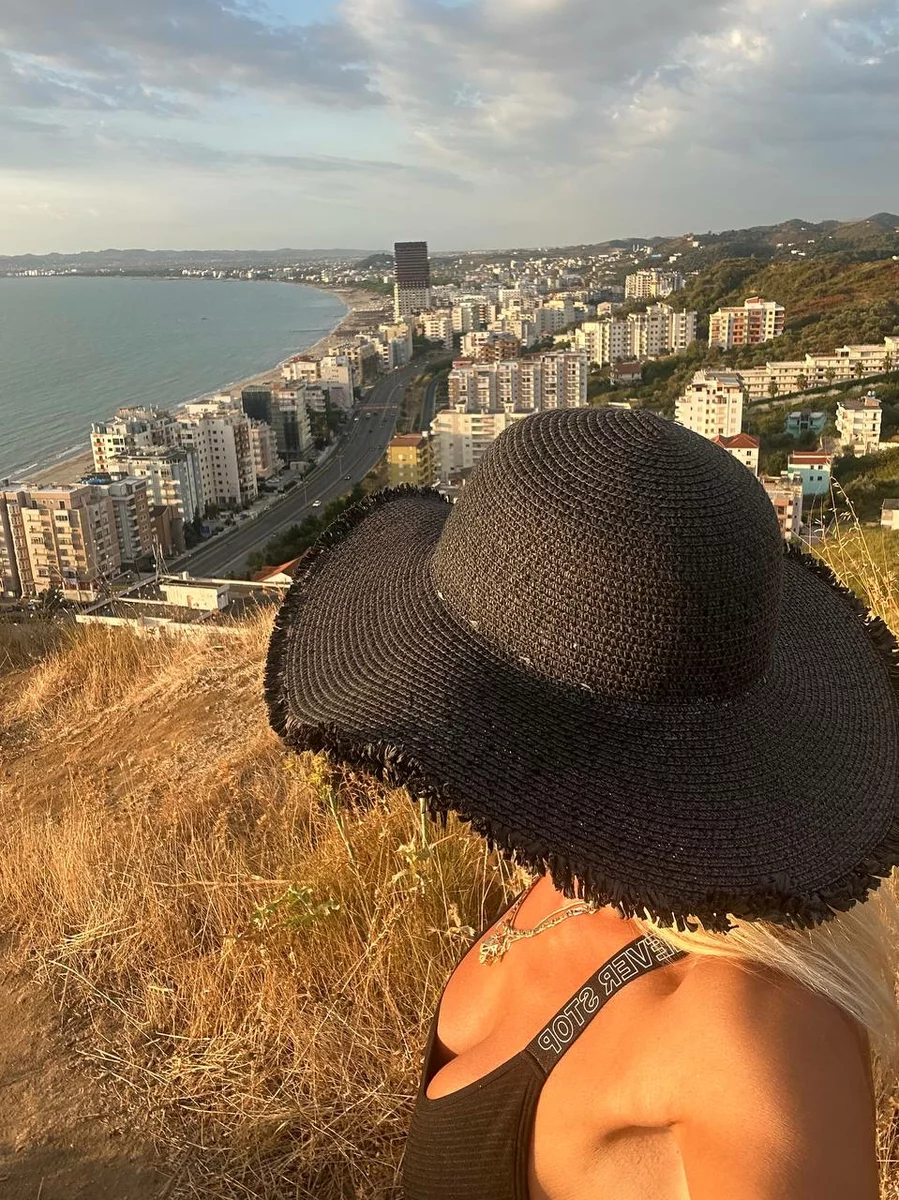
(858, 370)
(802, 381)
(830, 374)
(773, 388)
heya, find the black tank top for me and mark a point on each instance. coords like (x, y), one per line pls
(472, 1144)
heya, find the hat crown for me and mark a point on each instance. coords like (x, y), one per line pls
(617, 551)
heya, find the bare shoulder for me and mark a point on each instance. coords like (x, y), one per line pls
(774, 1093)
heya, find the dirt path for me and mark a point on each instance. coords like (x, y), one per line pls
(63, 1136)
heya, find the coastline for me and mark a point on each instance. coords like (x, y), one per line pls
(359, 302)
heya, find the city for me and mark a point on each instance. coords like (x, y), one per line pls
(199, 491)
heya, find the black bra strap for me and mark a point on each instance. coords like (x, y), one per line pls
(644, 954)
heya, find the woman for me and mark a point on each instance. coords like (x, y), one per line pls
(606, 659)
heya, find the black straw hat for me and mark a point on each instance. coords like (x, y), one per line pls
(607, 660)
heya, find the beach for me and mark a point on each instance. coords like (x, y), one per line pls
(365, 311)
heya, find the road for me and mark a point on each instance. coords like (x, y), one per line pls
(358, 451)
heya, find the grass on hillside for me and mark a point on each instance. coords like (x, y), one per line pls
(255, 940)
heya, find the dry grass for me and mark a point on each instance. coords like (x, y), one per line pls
(255, 952)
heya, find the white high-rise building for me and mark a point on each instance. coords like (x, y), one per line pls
(131, 507)
(554, 380)
(712, 404)
(459, 439)
(266, 462)
(58, 537)
(218, 430)
(754, 322)
(131, 429)
(172, 475)
(858, 423)
(438, 327)
(652, 284)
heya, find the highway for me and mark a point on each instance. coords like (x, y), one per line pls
(358, 451)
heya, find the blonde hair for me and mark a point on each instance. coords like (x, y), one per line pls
(851, 959)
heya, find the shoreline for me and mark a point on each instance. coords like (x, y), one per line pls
(71, 465)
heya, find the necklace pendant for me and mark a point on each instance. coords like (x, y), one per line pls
(494, 947)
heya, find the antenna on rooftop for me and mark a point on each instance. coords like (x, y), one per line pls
(158, 558)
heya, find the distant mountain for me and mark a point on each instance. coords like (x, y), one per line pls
(862, 240)
(160, 260)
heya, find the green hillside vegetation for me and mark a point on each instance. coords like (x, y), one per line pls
(830, 302)
(868, 480)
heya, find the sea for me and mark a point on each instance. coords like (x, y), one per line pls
(73, 350)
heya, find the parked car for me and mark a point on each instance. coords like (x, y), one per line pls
(316, 503)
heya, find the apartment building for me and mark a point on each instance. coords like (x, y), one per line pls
(755, 322)
(395, 345)
(410, 459)
(365, 356)
(785, 493)
(889, 515)
(813, 468)
(337, 368)
(659, 330)
(59, 537)
(486, 346)
(564, 383)
(131, 509)
(519, 327)
(743, 447)
(290, 423)
(557, 379)
(263, 449)
(858, 424)
(437, 326)
(712, 404)
(131, 429)
(461, 438)
(218, 431)
(256, 401)
(300, 369)
(652, 284)
(172, 475)
(604, 341)
(470, 314)
(553, 317)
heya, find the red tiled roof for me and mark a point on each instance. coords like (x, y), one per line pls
(810, 458)
(285, 568)
(739, 441)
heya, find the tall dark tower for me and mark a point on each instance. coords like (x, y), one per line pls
(412, 278)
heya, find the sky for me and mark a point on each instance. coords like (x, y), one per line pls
(191, 124)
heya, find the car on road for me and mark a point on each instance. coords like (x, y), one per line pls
(316, 503)
(348, 477)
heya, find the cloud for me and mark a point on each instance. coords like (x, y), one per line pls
(114, 52)
(540, 86)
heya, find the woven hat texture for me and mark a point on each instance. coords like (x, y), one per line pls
(607, 660)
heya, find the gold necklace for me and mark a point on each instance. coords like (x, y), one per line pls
(497, 943)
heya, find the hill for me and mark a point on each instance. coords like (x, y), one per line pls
(829, 301)
(252, 941)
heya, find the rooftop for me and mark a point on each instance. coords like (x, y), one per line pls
(739, 441)
(412, 440)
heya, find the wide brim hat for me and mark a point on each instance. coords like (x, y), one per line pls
(605, 658)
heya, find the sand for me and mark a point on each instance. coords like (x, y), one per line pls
(366, 311)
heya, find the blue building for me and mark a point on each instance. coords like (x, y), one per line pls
(799, 423)
(814, 468)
